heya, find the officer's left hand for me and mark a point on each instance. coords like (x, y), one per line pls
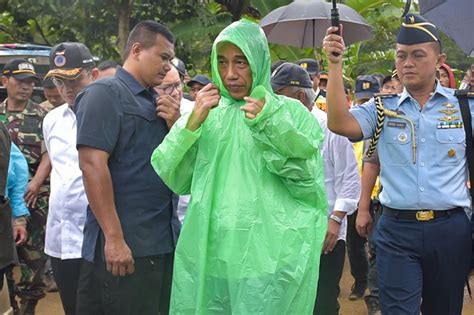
(331, 236)
(168, 109)
(31, 194)
(253, 107)
(363, 223)
(20, 234)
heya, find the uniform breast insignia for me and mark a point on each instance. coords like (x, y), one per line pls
(449, 112)
(449, 121)
(449, 118)
(450, 125)
(452, 153)
(402, 137)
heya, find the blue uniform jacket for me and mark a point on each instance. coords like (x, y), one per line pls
(424, 165)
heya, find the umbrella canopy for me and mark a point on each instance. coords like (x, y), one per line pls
(453, 17)
(303, 24)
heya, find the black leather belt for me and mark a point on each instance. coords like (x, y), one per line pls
(419, 215)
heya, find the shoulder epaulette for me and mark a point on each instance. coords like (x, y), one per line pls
(464, 93)
(384, 95)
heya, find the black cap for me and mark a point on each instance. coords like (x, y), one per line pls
(20, 69)
(289, 74)
(179, 65)
(366, 86)
(201, 79)
(68, 59)
(309, 65)
(276, 64)
(416, 30)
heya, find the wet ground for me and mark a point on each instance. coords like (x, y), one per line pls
(51, 305)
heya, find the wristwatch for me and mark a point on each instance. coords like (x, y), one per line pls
(22, 220)
(335, 218)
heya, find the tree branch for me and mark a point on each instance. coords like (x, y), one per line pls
(3, 5)
(38, 27)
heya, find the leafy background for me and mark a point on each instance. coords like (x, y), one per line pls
(104, 25)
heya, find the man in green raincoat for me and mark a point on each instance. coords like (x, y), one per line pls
(257, 218)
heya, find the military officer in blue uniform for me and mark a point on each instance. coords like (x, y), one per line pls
(423, 239)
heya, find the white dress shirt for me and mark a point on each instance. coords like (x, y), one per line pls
(342, 179)
(186, 108)
(67, 200)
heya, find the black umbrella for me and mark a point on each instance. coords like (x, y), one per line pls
(453, 17)
(303, 24)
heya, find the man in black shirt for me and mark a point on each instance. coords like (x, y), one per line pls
(131, 227)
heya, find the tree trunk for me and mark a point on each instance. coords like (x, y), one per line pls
(3, 5)
(124, 10)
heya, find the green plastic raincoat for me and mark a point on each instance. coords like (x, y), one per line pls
(257, 218)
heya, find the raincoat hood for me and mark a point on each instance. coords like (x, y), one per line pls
(250, 38)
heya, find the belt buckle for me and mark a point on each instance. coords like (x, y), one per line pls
(425, 215)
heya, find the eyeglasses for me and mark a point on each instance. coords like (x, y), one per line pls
(70, 83)
(169, 88)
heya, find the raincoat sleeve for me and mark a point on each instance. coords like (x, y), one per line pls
(17, 182)
(291, 140)
(174, 159)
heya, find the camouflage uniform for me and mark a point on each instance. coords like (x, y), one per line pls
(25, 129)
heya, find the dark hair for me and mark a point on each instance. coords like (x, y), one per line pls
(145, 33)
(108, 64)
(379, 77)
(347, 86)
(48, 83)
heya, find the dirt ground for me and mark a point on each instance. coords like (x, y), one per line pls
(51, 305)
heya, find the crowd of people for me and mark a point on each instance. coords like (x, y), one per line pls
(240, 194)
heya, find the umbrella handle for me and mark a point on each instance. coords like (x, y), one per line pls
(335, 22)
(407, 8)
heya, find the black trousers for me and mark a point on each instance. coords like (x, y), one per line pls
(66, 275)
(330, 272)
(356, 252)
(146, 291)
(2, 275)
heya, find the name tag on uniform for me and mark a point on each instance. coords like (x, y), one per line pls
(396, 124)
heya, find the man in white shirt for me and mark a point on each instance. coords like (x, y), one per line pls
(342, 183)
(72, 69)
(171, 91)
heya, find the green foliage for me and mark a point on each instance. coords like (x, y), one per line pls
(196, 23)
(266, 6)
